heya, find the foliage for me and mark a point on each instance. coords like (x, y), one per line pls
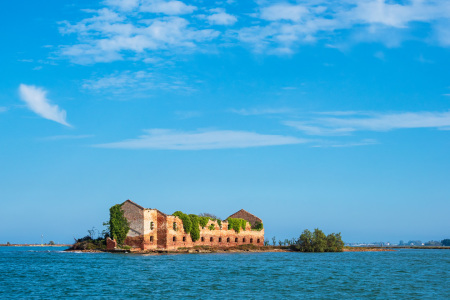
(318, 242)
(445, 242)
(88, 243)
(195, 230)
(118, 224)
(219, 222)
(266, 243)
(51, 243)
(274, 241)
(258, 226)
(191, 224)
(433, 243)
(187, 224)
(203, 221)
(236, 224)
(211, 227)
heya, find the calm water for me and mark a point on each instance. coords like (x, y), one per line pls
(47, 273)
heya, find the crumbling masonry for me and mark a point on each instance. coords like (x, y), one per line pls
(152, 229)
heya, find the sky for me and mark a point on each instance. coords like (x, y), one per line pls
(309, 114)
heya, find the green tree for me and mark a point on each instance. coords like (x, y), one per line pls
(274, 241)
(118, 224)
(51, 243)
(445, 242)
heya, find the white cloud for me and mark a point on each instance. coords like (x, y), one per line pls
(341, 124)
(290, 25)
(220, 17)
(201, 140)
(112, 35)
(283, 11)
(36, 100)
(167, 7)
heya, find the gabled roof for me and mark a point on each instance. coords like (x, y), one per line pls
(135, 204)
(243, 214)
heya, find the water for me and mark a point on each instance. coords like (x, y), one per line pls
(28, 272)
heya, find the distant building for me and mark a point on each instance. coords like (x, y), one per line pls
(152, 229)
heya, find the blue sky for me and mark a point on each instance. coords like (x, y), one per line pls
(306, 113)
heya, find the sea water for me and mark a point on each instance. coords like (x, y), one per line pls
(39, 272)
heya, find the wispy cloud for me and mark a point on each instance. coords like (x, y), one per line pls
(201, 140)
(341, 124)
(3, 109)
(36, 100)
(127, 82)
(261, 111)
(331, 144)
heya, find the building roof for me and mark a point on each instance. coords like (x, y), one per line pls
(135, 204)
(243, 214)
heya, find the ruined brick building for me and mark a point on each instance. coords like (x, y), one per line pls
(152, 229)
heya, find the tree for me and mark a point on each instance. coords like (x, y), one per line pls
(319, 240)
(445, 242)
(118, 224)
(274, 241)
(51, 243)
(211, 216)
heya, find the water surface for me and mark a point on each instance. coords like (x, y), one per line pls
(39, 272)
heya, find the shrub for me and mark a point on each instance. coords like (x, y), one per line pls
(211, 227)
(318, 242)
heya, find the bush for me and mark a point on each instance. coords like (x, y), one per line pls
(211, 227)
(318, 242)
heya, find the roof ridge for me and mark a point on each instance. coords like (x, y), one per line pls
(137, 205)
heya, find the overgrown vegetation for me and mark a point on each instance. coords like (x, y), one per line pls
(236, 224)
(89, 243)
(211, 227)
(258, 226)
(118, 225)
(191, 224)
(317, 241)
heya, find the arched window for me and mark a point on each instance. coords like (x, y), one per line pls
(211, 239)
(175, 226)
(151, 238)
(251, 241)
(203, 239)
(151, 225)
(174, 239)
(228, 240)
(236, 240)
(243, 240)
(257, 241)
(220, 240)
(184, 239)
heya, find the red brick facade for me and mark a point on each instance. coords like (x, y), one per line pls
(152, 229)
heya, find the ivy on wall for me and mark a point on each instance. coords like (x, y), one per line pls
(118, 224)
(191, 224)
(236, 224)
(258, 226)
